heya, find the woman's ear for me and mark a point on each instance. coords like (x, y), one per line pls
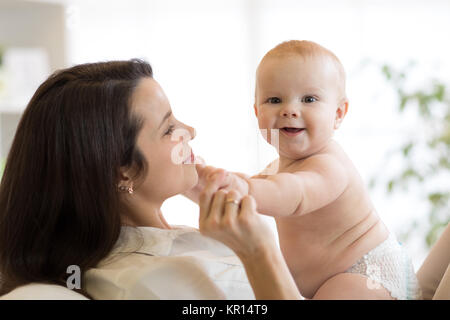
(340, 113)
(256, 109)
(124, 176)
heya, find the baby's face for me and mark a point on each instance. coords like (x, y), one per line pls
(300, 97)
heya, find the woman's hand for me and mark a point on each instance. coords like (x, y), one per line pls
(237, 224)
(234, 222)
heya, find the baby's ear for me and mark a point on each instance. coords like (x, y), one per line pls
(256, 109)
(340, 113)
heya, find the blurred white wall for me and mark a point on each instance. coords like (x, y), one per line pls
(205, 52)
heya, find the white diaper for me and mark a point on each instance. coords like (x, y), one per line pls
(389, 265)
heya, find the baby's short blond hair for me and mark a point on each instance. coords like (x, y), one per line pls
(308, 49)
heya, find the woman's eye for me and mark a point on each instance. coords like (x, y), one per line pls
(169, 130)
(309, 99)
(274, 100)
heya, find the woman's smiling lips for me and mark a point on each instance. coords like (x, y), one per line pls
(291, 132)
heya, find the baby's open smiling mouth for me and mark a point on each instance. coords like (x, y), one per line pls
(291, 132)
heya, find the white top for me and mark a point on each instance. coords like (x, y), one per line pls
(180, 263)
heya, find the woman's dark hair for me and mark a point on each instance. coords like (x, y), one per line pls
(59, 201)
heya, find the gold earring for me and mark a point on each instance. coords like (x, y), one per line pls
(126, 189)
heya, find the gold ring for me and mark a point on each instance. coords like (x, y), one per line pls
(232, 201)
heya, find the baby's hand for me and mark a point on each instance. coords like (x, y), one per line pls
(227, 181)
(204, 173)
(238, 182)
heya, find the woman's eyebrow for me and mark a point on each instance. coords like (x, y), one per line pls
(165, 118)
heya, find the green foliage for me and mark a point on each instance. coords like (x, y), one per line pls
(431, 103)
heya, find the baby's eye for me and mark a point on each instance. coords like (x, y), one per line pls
(274, 100)
(309, 99)
(169, 130)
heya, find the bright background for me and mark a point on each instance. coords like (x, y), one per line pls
(205, 53)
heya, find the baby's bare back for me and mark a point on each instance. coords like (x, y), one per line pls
(327, 241)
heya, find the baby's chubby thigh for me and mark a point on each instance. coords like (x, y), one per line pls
(351, 286)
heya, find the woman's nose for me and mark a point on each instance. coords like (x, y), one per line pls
(191, 130)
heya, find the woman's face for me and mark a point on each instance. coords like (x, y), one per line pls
(163, 141)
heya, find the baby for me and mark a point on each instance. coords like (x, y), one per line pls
(334, 243)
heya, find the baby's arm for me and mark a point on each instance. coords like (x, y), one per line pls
(319, 181)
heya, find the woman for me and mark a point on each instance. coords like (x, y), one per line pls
(95, 155)
(434, 274)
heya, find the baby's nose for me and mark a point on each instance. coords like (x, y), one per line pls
(290, 113)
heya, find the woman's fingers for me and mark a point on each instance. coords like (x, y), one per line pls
(232, 207)
(248, 206)
(217, 207)
(247, 213)
(213, 184)
(237, 224)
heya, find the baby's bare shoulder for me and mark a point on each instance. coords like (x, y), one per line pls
(332, 158)
(329, 165)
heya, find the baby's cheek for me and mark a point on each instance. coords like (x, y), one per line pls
(261, 123)
(264, 121)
